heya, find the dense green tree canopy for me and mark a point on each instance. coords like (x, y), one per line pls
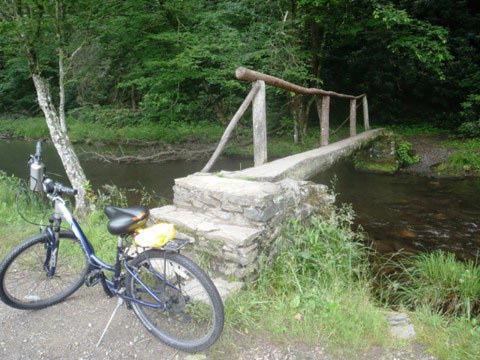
(175, 60)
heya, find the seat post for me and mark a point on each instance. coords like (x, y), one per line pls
(120, 242)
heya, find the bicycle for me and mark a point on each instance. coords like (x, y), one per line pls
(170, 294)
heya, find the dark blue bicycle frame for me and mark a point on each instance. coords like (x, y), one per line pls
(61, 211)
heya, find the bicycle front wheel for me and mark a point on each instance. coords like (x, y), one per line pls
(189, 315)
(24, 279)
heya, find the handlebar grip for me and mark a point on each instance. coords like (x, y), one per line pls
(52, 187)
(67, 190)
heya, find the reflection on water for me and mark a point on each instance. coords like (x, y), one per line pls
(398, 212)
(412, 213)
(156, 177)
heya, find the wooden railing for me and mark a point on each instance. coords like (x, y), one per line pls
(256, 96)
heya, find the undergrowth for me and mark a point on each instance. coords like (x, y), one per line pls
(443, 294)
(465, 159)
(438, 281)
(316, 288)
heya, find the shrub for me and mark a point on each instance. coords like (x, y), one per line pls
(405, 154)
(470, 115)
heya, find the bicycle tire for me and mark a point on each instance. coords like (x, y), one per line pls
(193, 316)
(24, 283)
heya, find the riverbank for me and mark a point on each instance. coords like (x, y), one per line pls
(441, 153)
(143, 141)
(292, 310)
(112, 139)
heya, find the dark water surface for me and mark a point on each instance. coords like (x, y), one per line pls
(412, 213)
(398, 212)
(157, 177)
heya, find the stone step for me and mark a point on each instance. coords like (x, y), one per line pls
(237, 201)
(229, 242)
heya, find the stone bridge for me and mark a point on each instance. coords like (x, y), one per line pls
(232, 217)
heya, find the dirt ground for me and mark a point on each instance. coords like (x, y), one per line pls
(71, 330)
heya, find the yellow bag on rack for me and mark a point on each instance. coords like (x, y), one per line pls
(155, 236)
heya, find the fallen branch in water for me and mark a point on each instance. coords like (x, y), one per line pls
(161, 152)
(151, 155)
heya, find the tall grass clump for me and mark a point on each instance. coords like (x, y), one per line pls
(440, 282)
(15, 196)
(316, 288)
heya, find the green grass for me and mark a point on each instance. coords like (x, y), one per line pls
(466, 159)
(316, 289)
(439, 281)
(415, 130)
(444, 295)
(35, 208)
(144, 131)
(447, 338)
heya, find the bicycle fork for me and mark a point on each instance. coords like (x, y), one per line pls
(52, 245)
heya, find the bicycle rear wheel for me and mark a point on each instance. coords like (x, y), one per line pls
(24, 283)
(191, 317)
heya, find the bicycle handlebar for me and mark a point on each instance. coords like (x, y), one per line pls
(52, 187)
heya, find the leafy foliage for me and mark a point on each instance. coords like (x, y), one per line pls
(173, 61)
(471, 116)
(404, 153)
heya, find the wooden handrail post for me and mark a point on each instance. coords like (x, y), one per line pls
(353, 117)
(228, 131)
(366, 120)
(259, 114)
(324, 114)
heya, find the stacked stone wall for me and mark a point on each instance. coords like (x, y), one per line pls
(235, 220)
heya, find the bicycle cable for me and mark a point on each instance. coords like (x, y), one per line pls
(21, 214)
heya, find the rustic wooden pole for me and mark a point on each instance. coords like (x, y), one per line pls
(249, 75)
(324, 119)
(228, 131)
(366, 119)
(353, 117)
(259, 113)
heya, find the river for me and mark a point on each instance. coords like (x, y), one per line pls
(398, 212)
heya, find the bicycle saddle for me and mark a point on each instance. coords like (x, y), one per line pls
(125, 220)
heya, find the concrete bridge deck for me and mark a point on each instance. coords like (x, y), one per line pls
(306, 165)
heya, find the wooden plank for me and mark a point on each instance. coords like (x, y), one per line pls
(249, 75)
(324, 110)
(366, 119)
(228, 131)
(353, 117)
(259, 113)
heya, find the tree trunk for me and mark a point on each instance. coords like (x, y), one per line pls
(61, 67)
(62, 143)
(61, 83)
(300, 117)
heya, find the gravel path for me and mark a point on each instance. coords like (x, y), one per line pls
(431, 154)
(70, 330)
